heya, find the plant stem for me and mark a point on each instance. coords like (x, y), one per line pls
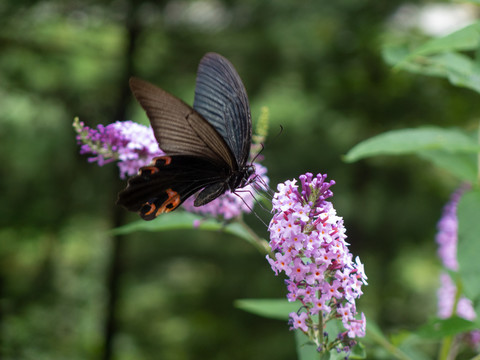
(320, 329)
(261, 244)
(445, 348)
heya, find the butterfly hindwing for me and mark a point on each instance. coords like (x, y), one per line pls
(221, 98)
(165, 184)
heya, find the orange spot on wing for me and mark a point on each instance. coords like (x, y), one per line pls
(151, 210)
(171, 203)
(150, 169)
(165, 159)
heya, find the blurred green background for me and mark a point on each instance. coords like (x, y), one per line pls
(69, 290)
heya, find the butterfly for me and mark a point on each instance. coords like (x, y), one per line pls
(206, 146)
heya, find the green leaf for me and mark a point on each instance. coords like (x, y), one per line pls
(184, 220)
(440, 328)
(467, 38)
(410, 141)
(358, 352)
(394, 54)
(469, 243)
(269, 308)
(306, 349)
(441, 57)
(374, 333)
(236, 229)
(459, 69)
(172, 221)
(376, 336)
(463, 166)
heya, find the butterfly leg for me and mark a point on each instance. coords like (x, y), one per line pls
(210, 193)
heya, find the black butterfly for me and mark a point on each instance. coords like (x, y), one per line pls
(207, 147)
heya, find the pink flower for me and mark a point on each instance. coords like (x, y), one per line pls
(307, 239)
(299, 321)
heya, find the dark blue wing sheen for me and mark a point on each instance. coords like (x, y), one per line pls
(221, 99)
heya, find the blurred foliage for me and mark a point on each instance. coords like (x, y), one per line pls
(317, 65)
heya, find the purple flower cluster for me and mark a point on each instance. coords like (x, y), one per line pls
(447, 240)
(446, 300)
(447, 233)
(307, 239)
(131, 144)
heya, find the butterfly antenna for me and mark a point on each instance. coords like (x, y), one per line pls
(262, 147)
(279, 133)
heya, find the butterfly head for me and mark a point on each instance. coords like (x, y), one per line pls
(247, 175)
(240, 178)
(249, 171)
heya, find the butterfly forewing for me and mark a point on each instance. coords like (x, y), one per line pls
(221, 98)
(178, 128)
